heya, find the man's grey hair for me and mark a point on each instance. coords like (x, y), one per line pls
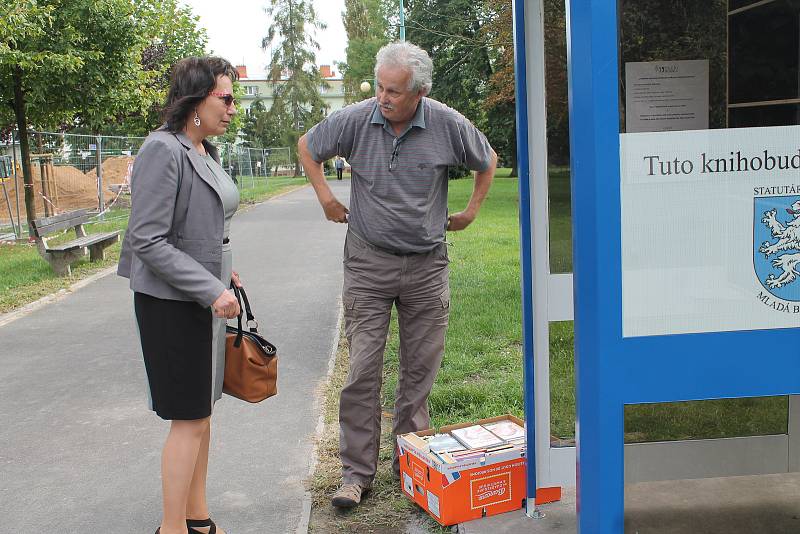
(410, 57)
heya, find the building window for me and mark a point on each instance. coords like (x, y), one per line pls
(251, 89)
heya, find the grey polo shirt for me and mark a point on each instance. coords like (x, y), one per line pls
(398, 197)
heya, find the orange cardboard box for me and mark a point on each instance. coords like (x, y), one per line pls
(467, 489)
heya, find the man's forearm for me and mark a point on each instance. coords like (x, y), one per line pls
(334, 210)
(483, 180)
(314, 172)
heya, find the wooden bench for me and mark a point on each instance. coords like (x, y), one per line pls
(62, 256)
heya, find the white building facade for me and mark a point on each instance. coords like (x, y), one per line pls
(263, 89)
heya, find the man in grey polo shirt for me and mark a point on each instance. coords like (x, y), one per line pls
(399, 146)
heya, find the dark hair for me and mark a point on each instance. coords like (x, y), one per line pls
(191, 80)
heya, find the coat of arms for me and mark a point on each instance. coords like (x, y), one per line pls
(776, 245)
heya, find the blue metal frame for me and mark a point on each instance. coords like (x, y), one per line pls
(525, 248)
(612, 371)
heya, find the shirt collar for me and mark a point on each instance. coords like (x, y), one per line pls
(418, 120)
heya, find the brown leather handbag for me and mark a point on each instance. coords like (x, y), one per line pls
(251, 362)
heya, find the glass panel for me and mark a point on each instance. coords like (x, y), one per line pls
(780, 115)
(678, 53)
(672, 32)
(719, 418)
(765, 52)
(736, 4)
(562, 381)
(558, 138)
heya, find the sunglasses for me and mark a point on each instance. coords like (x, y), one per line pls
(225, 97)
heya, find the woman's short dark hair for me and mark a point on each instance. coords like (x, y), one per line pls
(191, 80)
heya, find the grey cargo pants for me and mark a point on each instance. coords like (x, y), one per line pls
(374, 280)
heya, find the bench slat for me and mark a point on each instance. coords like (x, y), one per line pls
(49, 225)
(82, 242)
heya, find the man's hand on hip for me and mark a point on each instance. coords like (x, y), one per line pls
(459, 221)
(335, 211)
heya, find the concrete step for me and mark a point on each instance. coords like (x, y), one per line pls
(768, 504)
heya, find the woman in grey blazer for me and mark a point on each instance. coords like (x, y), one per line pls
(177, 256)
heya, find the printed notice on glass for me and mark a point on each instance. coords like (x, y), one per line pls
(710, 223)
(665, 96)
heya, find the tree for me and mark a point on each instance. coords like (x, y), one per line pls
(172, 32)
(265, 128)
(367, 29)
(451, 32)
(555, 38)
(499, 103)
(295, 77)
(59, 59)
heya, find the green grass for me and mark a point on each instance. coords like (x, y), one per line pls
(26, 277)
(258, 188)
(560, 221)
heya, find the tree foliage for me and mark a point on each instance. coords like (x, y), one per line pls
(266, 128)
(450, 30)
(72, 59)
(82, 63)
(555, 48)
(452, 33)
(499, 101)
(295, 77)
(367, 28)
(172, 33)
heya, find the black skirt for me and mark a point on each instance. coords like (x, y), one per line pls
(176, 341)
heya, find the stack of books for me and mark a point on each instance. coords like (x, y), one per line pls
(472, 441)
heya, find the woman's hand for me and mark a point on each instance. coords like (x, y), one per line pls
(235, 279)
(226, 306)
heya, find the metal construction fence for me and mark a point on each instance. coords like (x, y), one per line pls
(73, 171)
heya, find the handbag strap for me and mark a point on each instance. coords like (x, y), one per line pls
(238, 341)
(250, 316)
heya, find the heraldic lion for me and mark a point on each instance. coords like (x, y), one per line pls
(788, 238)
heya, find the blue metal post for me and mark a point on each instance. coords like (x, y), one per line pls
(526, 262)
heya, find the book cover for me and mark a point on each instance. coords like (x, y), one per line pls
(444, 443)
(506, 430)
(416, 441)
(475, 437)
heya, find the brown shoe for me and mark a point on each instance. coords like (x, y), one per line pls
(349, 495)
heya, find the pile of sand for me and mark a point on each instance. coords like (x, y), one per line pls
(115, 169)
(74, 189)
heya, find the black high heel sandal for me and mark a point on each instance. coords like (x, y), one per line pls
(201, 523)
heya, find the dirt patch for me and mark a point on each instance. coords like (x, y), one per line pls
(66, 187)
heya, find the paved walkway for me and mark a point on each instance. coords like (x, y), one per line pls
(80, 452)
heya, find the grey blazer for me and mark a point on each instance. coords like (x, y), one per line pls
(173, 246)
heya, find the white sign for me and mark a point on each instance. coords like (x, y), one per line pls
(710, 230)
(662, 96)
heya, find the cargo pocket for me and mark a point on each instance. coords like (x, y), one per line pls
(444, 298)
(349, 303)
(443, 253)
